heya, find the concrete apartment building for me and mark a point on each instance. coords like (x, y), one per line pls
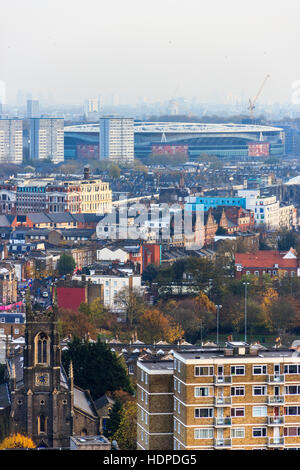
(116, 139)
(47, 139)
(11, 141)
(237, 397)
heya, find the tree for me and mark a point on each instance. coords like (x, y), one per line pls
(114, 420)
(66, 264)
(126, 435)
(132, 302)
(17, 441)
(114, 171)
(96, 367)
(155, 326)
(283, 315)
(75, 324)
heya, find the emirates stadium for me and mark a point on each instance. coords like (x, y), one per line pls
(240, 141)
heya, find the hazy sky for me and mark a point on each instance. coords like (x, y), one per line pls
(155, 49)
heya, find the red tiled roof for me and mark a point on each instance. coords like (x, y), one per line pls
(265, 259)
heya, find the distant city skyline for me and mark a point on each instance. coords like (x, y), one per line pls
(68, 51)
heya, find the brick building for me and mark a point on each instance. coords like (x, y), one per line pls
(271, 262)
(154, 405)
(237, 397)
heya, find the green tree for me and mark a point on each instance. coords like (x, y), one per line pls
(113, 422)
(96, 367)
(66, 264)
(127, 431)
(114, 171)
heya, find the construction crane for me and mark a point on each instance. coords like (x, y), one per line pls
(253, 101)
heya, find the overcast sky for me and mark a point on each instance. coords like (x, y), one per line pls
(156, 49)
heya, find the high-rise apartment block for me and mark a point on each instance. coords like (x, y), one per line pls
(237, 397)
(33, 108)
(116, 139)
(47, 139)
(11, 141)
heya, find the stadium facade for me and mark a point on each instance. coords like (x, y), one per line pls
(240, 141)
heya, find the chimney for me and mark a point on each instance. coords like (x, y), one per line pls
(86, 173)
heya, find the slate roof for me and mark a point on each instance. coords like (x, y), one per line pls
(4, 396)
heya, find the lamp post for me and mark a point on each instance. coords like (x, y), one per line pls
(218, 320)
(246, 284)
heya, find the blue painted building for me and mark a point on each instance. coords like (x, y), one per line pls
(206, 202)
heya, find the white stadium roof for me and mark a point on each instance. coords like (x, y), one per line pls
(181, 127)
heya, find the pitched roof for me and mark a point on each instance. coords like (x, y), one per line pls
(265, 259)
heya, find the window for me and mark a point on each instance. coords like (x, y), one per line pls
(201, 392)
(237, 391)
(42, 345)
(204, 412)
(292, 411)
(292, 369)
(259, 370)
(146, 379)
(258, 411)
(204, 433)
(42, 424)
(238, 433)
(206, 371)
(292, 390)
(237, 370)
(237, 412)
(178, 387)
(259, 390)
(291, 431)
(131, 369)
(259, 432)
(175, 384)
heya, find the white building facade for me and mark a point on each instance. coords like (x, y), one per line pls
(47, 139)
(11, 141)
(116, 139)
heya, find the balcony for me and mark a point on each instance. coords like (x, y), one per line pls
(275, 420)
(276, 442)
(222, 422)
(222, 443)
(222, 379)
(275, 379)
(275, 400)
(222, 401)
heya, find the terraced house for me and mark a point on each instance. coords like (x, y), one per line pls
(237, 397)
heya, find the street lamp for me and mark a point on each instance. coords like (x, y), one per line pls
(246, 284)
(218, 319)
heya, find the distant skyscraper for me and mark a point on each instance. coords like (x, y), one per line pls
(91, 106)
(33, 108)
(47, 139)
(11, 141)
(117, 139)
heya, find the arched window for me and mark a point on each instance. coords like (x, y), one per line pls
(42, 424)
(83, 432)
(42, 349)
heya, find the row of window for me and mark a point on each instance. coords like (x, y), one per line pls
(200, 371)
(208, 433)
(257, 390)
(239, 412)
